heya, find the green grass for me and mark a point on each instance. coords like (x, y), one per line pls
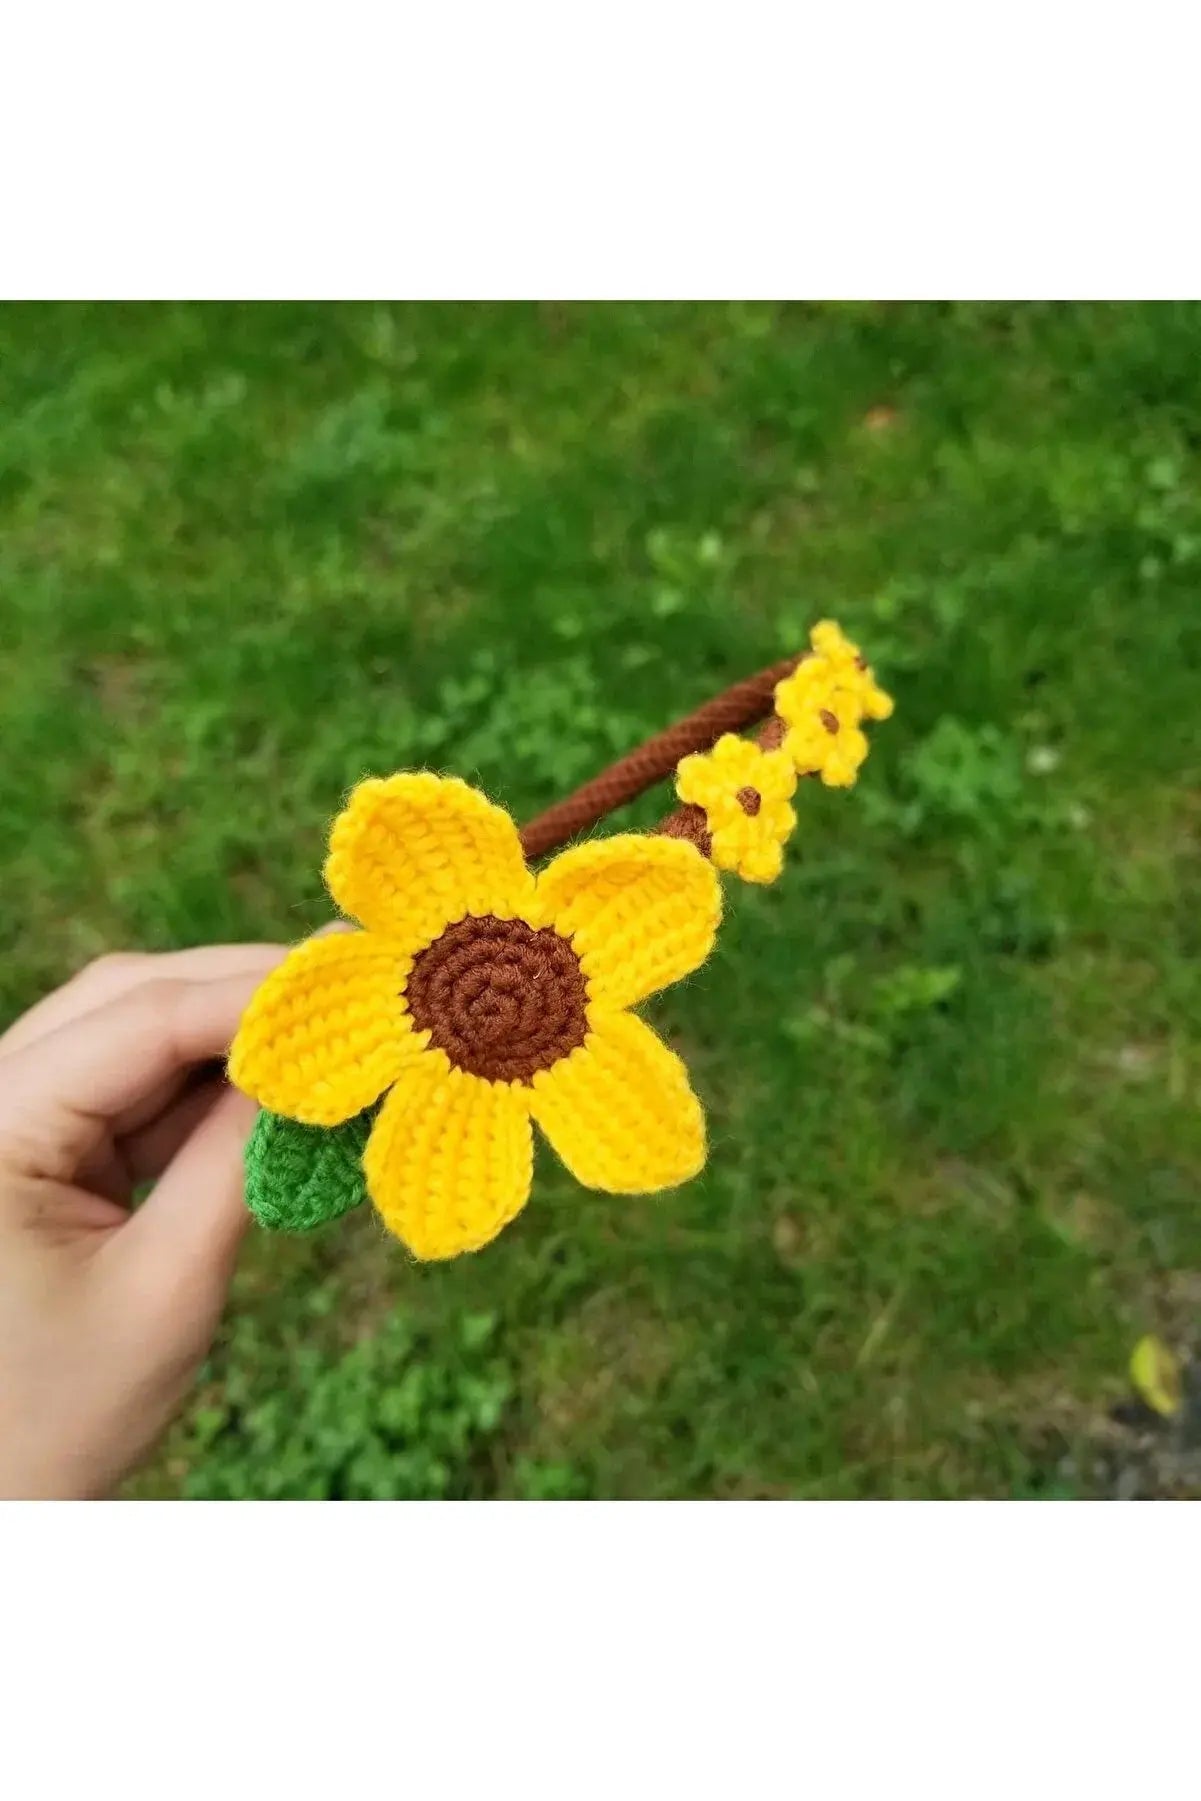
(248, 554)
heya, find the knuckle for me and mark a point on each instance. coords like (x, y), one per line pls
(112, 967)
(163, 1001)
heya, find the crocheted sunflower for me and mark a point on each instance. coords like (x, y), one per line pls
(411, 1059)
(481, 998)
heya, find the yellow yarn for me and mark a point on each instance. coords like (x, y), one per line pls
(325, 1034)
(726, 780)
(412, 852)
(826, 740)
(847, 660)
(449, 1158)
(823, 702)
(640, 912)
(620, 1111)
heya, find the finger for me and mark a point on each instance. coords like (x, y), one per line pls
(146, 1153)
(102, 1172)
(124, 1158)
(82, 1077)
(190, 1227)
(147, 1108)
(108, 977)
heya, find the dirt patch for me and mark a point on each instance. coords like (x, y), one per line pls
(613, 1354)
(117, 683)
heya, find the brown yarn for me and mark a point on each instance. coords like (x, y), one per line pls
(731, 711)
(501, 999)
(750, 800)
(683, 824)
(689, 822)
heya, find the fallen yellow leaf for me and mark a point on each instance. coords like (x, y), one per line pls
(1155, 1373)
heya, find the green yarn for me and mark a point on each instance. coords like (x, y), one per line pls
(298, 1177)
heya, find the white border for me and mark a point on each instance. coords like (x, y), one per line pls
(719, 1649)
(654, 149)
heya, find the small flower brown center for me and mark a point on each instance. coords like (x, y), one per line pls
(750, 800)
(828, 720)
(501, 999)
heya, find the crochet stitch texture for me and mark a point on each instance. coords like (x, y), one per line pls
(744, 792)
(299, 1177)
(482, 1000)
(411, 1059)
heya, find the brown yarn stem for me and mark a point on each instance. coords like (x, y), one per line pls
(744, 704)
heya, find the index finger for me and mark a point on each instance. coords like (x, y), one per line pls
(118, 972)
(90, 1071)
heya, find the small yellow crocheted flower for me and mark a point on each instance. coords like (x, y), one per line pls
(826, 740)
(823, 701)
(744, 792)
(483, 998)
(853, 674)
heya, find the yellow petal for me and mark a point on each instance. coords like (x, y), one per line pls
(799, 696)
(843, 758)
(1155, 1374)
(762, 859)
(640, 911)
(620, 1111)
(450, 1158)
(876, 704)
(828, 641)
(327, 1031)
(414, 852)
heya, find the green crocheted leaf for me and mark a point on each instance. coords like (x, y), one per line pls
(298, 1177)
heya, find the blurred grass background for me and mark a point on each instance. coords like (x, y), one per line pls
(251, 553)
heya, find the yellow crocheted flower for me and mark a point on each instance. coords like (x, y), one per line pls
(483, 998)
(824, 736)
(744, 792)
(823, 701)
(853, 675)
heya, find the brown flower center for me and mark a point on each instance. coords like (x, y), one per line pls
(750, 800)
(828, 719)
(502, 1000)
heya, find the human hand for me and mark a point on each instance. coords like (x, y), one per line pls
(106, 1313)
